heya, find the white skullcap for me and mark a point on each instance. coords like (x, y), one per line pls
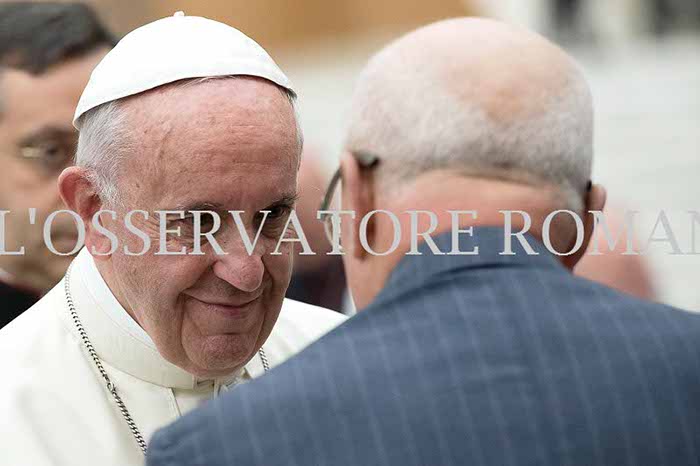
(171, 49)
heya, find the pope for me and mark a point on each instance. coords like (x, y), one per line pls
(183, 114)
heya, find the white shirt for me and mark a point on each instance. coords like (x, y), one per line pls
(54, 406)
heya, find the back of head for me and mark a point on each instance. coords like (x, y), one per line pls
(480, 98)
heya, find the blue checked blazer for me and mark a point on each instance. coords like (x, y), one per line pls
(469, 360)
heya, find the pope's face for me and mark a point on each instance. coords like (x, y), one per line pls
(221, 145)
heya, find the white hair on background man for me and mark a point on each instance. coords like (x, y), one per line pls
(104, 141)
(415, 121)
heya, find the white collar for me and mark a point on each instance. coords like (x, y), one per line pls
(103, 295)
(119, 340)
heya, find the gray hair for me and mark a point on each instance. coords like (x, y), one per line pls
(414, 124)
(102, 144)
(104, 141)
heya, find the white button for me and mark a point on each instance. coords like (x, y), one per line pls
(179, 14)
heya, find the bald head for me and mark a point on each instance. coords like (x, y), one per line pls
(479, 97)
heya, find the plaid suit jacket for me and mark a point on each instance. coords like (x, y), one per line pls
(469, 360)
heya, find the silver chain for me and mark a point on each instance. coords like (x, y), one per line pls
(111, 388)
(263, 358)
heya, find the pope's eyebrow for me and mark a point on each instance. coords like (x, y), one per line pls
(288, 200)
(187, 208)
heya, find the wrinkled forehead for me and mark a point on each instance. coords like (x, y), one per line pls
(225, 141)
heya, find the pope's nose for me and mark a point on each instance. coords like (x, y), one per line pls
(242, 271)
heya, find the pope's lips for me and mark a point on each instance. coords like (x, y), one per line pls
(237, 310)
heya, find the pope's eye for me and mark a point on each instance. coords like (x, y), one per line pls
(278, 211)
(206, 222)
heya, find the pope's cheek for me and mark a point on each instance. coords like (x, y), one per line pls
(280, 269)
(163, 325)
(191, 338)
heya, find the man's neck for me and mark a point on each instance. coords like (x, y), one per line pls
(440, 193)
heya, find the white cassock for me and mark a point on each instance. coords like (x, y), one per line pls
(55, 408)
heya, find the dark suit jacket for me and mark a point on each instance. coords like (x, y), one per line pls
(469, 360)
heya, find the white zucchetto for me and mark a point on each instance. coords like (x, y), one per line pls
(171, 49)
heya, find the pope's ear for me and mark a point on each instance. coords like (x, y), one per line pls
(78, 193)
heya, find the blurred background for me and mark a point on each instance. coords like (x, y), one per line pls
(641, 56)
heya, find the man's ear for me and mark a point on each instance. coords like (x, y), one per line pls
(79, 194)
(595, 200)
(358, 197)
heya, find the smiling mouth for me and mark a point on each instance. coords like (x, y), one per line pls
(233, 310)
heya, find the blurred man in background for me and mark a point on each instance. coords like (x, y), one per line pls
(465, 356)
(47, 52)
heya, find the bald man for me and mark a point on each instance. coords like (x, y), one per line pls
(472, 346)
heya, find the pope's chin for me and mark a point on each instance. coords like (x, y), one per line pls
(218, 339)
(218, 355)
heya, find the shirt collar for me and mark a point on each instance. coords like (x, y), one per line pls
(120, 341)
(98, 288)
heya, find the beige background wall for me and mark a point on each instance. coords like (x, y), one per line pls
(280, 24)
